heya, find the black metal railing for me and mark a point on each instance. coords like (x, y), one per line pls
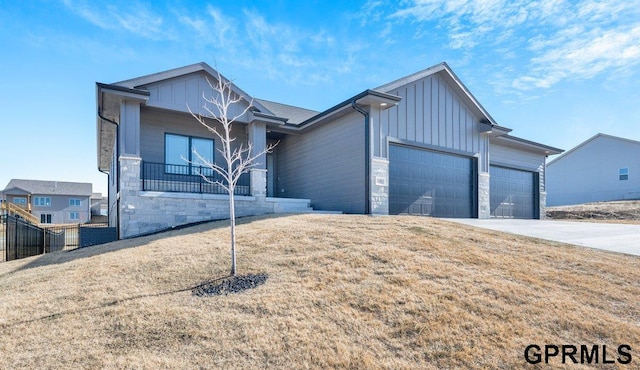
(21, 239)
(187, 179)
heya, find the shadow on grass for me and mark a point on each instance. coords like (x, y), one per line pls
(216, 287)
(57, 258)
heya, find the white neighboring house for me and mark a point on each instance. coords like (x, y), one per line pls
(603, 168)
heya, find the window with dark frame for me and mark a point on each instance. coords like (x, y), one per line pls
(45, 218)
(623, 173)
(42, 201)
(179, 156)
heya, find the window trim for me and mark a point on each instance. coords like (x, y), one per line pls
(623, 173)
(23, 201)
(37, 200)
(75, 202)
(189, 164)
(74, 213)
(47, 217)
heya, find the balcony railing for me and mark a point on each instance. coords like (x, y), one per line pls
(187, 179)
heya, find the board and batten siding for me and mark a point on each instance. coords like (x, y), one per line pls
(154, 124)
(431, 112)
(325, 165)
(507, 156)
(188, 90)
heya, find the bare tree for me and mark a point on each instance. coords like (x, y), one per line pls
(238, 160)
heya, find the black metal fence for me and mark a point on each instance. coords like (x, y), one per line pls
(188, 179)
(21, 239)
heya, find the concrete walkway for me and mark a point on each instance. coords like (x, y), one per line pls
(622, 238)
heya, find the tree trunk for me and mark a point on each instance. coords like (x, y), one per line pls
(232, 222)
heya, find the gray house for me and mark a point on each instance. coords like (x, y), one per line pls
(419, 145)
(51, 202)
(602, 168)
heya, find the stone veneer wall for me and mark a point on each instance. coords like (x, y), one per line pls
(379, 186)
(484, 199)
(143, 212)
(543, 205)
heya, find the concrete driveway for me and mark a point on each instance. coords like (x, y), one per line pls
(621, 238)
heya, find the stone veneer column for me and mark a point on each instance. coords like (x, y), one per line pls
(484, 200)
(129, 195)
(379, 186)
(258, 179)
(543, 205)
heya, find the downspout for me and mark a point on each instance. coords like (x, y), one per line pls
(367, 159)
(117, 156)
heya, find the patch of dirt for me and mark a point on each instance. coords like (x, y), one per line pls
(599, 211)
(232, 284)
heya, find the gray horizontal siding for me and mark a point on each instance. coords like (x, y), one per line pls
(590, 173)
(430, 112)
(326, 165)
(60, 209)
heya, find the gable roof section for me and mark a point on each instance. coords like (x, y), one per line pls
(588, 141)
(444, 69)
(40, 187)
(136, 83)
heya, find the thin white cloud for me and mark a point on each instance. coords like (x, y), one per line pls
(134, 18)
(215, 28)
(564, 39)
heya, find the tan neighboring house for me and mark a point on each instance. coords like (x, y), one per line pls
(50, 202)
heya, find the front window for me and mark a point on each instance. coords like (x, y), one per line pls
(74, 216)
(45, 218)
(623, 174)
(42, 201)
(74, 202)
(20, 201)
(180, 157)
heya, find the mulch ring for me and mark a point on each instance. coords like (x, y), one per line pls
(230, 285)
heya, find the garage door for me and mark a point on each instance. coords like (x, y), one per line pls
(513, 193)
(424, 182)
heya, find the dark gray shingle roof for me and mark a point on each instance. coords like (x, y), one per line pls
(294, 114)
(51, 187)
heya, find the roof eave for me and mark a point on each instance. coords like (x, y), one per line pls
(546, 149)
(365, 98)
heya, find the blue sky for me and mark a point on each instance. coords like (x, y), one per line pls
(556, 72)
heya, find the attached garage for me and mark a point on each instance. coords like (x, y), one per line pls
(513, 193)
(431, 183)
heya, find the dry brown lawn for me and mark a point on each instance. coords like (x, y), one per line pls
(343, 291)
(623, 211)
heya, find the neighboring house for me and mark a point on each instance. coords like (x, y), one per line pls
(603, 168)
(419, 145)
(51, 202)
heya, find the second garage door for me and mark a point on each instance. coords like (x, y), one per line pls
(424, 182)
(513, 193)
